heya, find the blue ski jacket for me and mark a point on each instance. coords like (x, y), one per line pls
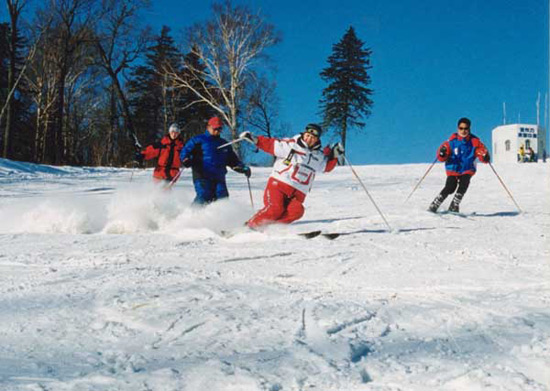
(206, 160)
(461, 154)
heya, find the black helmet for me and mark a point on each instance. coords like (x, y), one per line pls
(314, 129)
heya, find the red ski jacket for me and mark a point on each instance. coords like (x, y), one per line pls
(168, 153)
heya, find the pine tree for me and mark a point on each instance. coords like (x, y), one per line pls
(347, 100)
(150, 96)
(155, 101)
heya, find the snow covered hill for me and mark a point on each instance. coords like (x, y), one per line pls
(107, 283)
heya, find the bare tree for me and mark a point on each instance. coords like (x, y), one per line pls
(70, 31)
(82, 87)
(119, 42)
(15, 8)
(40, 78)
(261, 109)
(228, 46)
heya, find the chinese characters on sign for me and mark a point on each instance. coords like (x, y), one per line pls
(527, 133)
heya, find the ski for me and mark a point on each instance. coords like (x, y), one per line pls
(457, 214)
(314, 234)
(305, 235)
(310, 235)
(331, 236)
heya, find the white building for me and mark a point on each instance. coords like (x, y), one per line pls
(507, 140)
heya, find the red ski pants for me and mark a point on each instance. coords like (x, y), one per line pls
(283, 204)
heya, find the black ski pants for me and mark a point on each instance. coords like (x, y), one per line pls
(461, 181)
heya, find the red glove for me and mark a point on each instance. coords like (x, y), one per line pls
(443, 152)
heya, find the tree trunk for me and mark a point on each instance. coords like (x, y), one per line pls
(7, 151)
(344, 133)
(66, 132)
(58, 118)
(8, 130)
(48, 140)
(125, 106)
(37, 135)
(110, 150)
(165, 109)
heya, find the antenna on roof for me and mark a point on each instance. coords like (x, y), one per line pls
(546, 111)
(504, 113)
(538, 109)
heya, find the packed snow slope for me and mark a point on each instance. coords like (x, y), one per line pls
(108, 283)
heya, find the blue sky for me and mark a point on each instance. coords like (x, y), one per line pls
(433, 62)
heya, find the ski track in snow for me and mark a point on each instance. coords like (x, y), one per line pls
(112, 284)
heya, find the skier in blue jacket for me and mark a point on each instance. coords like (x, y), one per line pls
(209, 163)
(459, 154)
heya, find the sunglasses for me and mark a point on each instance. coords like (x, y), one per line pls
(313, 132)
(218, 129)
(461, 128)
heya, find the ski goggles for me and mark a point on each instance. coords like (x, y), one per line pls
(313, 132)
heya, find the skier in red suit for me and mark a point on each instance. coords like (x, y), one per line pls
(167, 150)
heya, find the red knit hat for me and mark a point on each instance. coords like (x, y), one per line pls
(215, 122)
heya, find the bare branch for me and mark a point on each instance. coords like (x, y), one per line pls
(228, 46)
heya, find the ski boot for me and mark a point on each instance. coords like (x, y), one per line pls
(454, 207)
(436, 203)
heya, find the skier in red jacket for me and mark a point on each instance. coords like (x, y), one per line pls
(167, 150)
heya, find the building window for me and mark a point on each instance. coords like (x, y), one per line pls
(507, 145)
(527, 144)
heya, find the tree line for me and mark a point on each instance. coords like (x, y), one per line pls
(85, 82)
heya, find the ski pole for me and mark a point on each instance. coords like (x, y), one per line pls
(133, 170)
(238, 140)
(173, 181)
(138, 148)
(421, 179)
(250, 193)
(366, 191)
(505, 188)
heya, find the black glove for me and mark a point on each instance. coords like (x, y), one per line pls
(338, 151)
(243, 170)
(487, 157)
(249, 137)
(443, 151)
(186, 162)
(138, 157)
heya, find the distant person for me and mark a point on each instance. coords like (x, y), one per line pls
(298, 160)
(459, 154)
(544, 155)
(521, 154)
(167, 151)
(209, 163)
(530, 155)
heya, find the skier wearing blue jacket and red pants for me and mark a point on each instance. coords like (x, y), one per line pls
(459, 154)
(209, 163)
